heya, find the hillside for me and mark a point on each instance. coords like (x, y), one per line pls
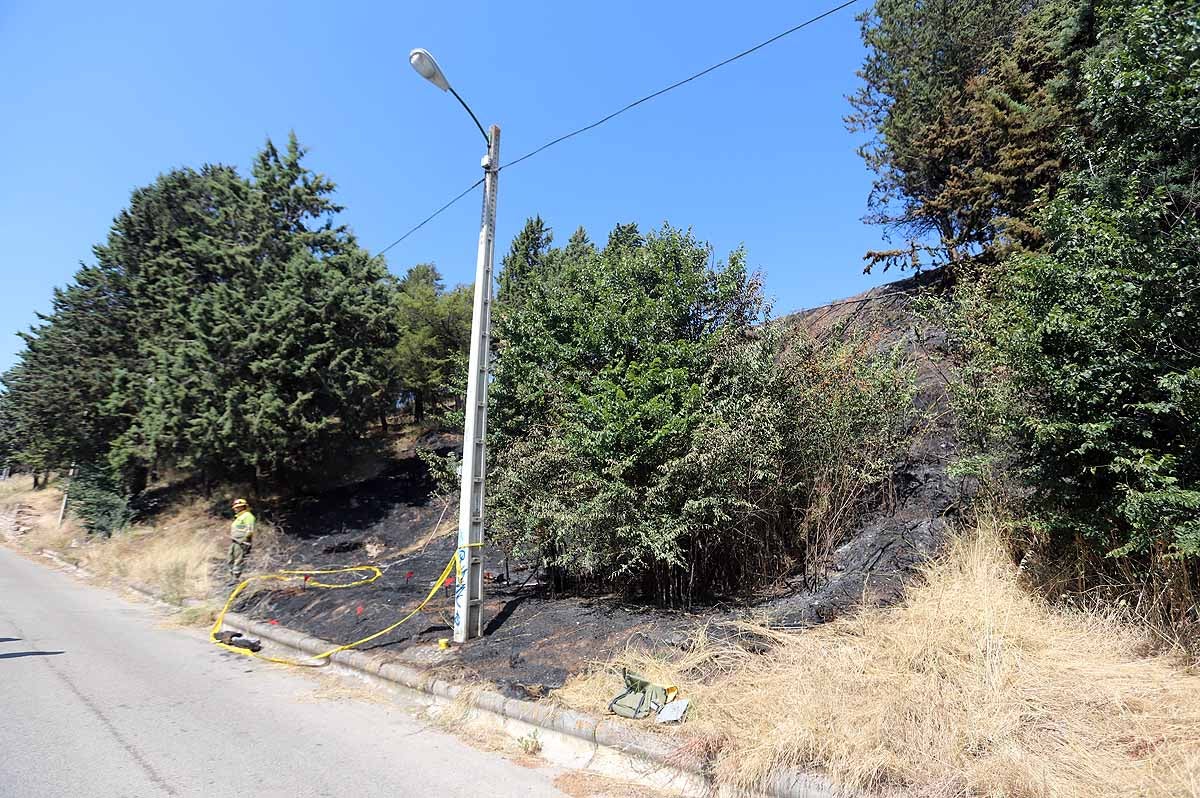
(535, 638)
(953, 679)
(909, 519)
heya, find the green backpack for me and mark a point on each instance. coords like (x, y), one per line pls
(641, 697)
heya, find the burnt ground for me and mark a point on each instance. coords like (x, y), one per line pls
(533, 640)
(912, 518)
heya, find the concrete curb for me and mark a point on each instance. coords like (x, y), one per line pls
(650, 749)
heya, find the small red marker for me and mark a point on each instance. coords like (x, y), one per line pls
(359, 610)
(407, 577)
(273, 622)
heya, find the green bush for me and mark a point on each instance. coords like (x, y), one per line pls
(652, 432)
(96, 499)
(1080, 369)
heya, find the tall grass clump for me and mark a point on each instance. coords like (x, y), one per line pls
(175, 558)
(973, 686)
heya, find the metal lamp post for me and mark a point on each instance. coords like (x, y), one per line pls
(468, 587)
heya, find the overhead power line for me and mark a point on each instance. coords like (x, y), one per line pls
(433, 215)
(679, 83)
(620, 111)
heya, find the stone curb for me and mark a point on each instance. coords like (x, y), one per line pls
(597, 731)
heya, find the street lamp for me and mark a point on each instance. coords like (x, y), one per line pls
(468, 583)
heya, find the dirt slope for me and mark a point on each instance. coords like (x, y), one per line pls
(910, 520)
(534, 640)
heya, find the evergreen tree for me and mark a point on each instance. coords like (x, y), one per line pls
(1103, 321)
(60, 388)
(526, 256)
(435, 331)
(290, 352)
(10, 433)
(579, 246)
(964, 103)
(228, 325)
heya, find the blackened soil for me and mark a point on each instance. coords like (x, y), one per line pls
(912, 518)
(531, 641)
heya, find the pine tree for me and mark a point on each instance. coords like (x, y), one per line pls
(526, 256)
(435, 330)
(228, 325)
(964, 103)
(59, 390)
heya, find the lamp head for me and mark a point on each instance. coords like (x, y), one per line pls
(427, 67)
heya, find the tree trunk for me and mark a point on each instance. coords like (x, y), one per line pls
(138, 477)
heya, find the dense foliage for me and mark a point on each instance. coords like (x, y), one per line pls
(430, 359)
(227, 326)
(98, 501)
(652, 432)
(964, 102)
(1076, 312)
(1109, 310)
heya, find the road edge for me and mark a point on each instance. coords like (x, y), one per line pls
(643, 752)
(599, 733)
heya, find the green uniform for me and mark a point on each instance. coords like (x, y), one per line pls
(241, 536)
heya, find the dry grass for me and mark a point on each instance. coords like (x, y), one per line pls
(579, 784)
(173, 559)
(196, 616)
(338, 688)
(33, 515)
(14, 487)
(972, 687)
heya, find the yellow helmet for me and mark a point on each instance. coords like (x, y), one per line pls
(240, 504)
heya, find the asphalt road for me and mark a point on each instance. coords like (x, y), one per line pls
(98, 697)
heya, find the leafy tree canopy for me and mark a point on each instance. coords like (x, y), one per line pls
(648, 431)
(228, 325)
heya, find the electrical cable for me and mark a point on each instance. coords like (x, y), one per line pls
(433, 215)
(617, 113)
(677, 84)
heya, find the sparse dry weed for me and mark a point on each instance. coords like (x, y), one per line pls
(194, 616)
(174, 559)
(336, 688)
(971, 687)
(442, 527)
(580, 784)
(15, 486)
(33, 518)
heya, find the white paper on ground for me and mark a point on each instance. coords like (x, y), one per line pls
(674, 711)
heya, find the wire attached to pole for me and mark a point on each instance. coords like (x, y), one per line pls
(433, 215)
(679, 83)
(616, 113)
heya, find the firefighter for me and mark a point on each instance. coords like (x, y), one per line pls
(241, 537)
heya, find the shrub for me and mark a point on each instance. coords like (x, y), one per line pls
(96, 498)
(655, 434)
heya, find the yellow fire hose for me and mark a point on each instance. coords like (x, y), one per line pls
(374, 571)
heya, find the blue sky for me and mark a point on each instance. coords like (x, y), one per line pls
(99, 100)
